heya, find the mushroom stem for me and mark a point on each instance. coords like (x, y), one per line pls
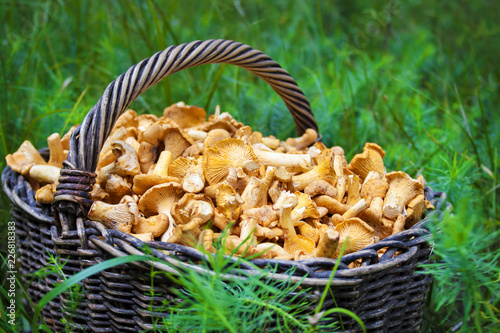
(327, 245)
(56, 150)
(281, 159)
(355, 209)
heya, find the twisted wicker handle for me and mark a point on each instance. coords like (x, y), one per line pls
(87, 141)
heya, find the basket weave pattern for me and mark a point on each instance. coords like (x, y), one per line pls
(387, 293)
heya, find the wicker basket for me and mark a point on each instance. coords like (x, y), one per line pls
(388, 294)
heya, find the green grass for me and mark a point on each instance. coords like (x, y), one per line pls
(421, 78)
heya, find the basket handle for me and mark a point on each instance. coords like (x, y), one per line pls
(87, 140)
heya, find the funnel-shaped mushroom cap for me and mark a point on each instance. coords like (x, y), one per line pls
(374, 188)
(24, 158)
(190, 170)
(192, 206)
(402, 189)
(187, 234)
(177, 141)
(127, 119)
(229, 201)
(127, 163)
(185, 115)
(356, 233)
(323, 171)
(305, 207)
(156, 225)
(160, 199)
(215, 136)
(226, 154)
(369, 160)
(119, 217)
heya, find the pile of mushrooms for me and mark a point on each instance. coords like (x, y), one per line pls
(181, 179)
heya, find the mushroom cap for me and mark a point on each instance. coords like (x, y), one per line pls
(305, 207)
(127, 163)
(190, 170)
(226, 154)
(192, 206)
(402, 189)
(356, 233)
(119, 217)
(323, 171)
(229, 201)
(215, 136)
(374, 188)
(160, 199)
(176, 141)
(369, 160)
(24, 158)
(156, 225)
(45, 194)
(127, 119)
(144, 182)
(185, 115)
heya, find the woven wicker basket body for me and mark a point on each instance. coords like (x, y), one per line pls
(387, 293)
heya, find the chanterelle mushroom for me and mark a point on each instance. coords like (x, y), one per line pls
(369, 160)
(156, 225)
(185, 115)
(120, 217)
(402, 189)
(159, 175)
(190, 170)
(356, 233)
(226, 154)
(24, 158)
(160, 199)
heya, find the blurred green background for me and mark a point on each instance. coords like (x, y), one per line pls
(420, 78)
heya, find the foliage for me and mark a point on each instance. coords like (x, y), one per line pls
(418, 77)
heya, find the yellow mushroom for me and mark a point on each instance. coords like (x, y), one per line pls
(304, 141)
(328, 242)
(415, 210)
(45, 194)
(156, 225)
(369, 160)
(185, 115)
(323, 171)
(402, 189)
(57, 155)
(119, 217)
(160, 199)
(192, 206)
(276, 159)
(356, 233)
(159, 175)
(176, 141)
(190, 170)
(228, 201)
(186, 234)
(24, 158)
(226, 154)
(206, 240)
(320, 187)
(45, 174)
(213, 137)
